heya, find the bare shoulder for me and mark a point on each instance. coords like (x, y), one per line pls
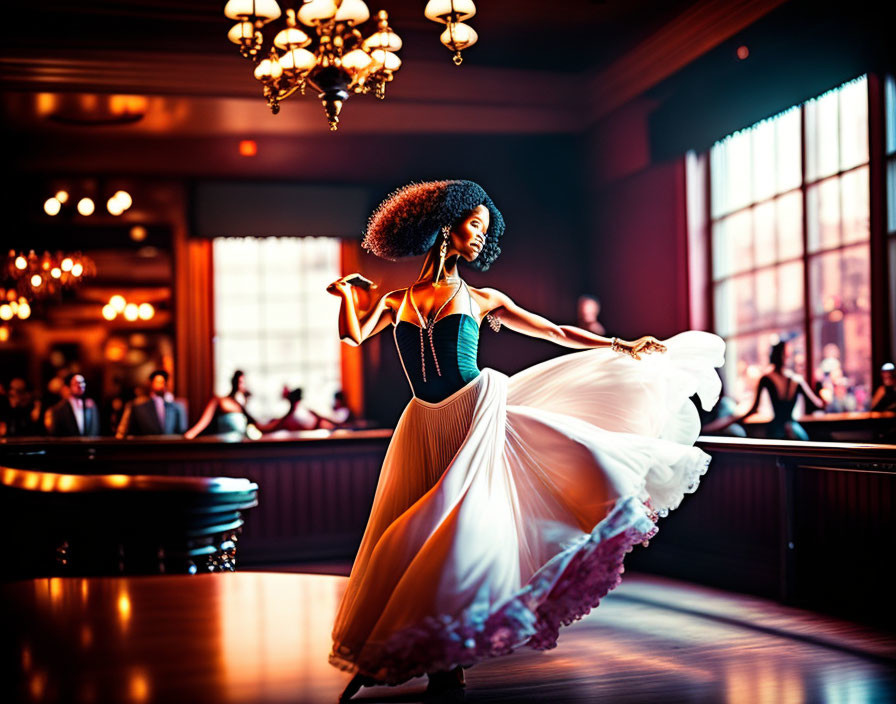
(393, 298)
(489, 298)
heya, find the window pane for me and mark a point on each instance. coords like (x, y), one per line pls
(856, 208)
(822, 136)
(732, 244)
(823, 201)
(840, 281)
(890, 101)
(790, 294)
(270, 302)
(766, 297)
(788, 152)
(843, 370)
(891, 195)
(790, 225)
(853, 123)
(763, 160)
(735, 307)
(764, 233)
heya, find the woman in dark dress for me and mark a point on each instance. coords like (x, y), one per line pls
(783, 387)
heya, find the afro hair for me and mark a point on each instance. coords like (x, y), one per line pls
(408, 222)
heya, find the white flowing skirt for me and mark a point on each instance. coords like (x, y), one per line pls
(505, 510)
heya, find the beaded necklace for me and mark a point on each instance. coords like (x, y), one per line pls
(428, 325)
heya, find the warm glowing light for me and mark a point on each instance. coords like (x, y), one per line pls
(4, 334)
(248, 147)
(114, 206)
(6, 312)
(742, 52)
(86, 207)
(146, 311)
(67, 264)
(131, 312)
(124, 198)
(77, 269)
(52, 206)
(138, 233)
(124, 606)
(21, 262)
(117, 302)
(62, 196)
(36, 280)
(55, 272)
(109, 312)
(139, 686)
(24, 311)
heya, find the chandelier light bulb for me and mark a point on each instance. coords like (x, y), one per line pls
(114, 206)
(356, 60)
(62, 196)
(4, 333)
(131, 312)
(66, 264)
(241, 33)
(24, 311)
(86, 207)
(264, 10)
(353, 11)
(316, 12)
(52, 206)
(386, 59)
(268, 70)
(109, 312)
(145, 311)
(77, 269)
(138, 233)
(6, 312)
(297, 60)
(291, 38)
(55, 272)
(21, 263)
(446, 11)
(459, 36)
(124, 198)
(15, 307)
(118, 303)
(36, 280)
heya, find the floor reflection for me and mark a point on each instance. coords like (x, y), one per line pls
(265, 637)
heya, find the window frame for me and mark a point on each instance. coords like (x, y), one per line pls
(881, 243)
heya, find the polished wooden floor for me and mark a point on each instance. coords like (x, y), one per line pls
(264, 637)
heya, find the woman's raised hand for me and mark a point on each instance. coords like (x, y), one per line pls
(646, 344)
(350, 280)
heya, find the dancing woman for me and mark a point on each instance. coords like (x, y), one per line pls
(505, 505)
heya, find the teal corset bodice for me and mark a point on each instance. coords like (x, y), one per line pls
(443, 363)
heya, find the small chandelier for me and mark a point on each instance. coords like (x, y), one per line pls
(39, 276)
(452, 13)
(342, 62)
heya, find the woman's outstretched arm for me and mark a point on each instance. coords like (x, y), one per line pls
(526, 322)
(354, 326)
(204, 419)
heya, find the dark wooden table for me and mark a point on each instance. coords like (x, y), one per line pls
(264, 637)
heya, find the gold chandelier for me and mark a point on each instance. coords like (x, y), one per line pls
(343, 61)
(38, 276)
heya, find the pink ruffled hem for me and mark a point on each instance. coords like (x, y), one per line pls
(564, 590)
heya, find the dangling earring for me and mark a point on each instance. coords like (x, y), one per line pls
(443, 251)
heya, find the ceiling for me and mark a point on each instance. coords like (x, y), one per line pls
(540, 68)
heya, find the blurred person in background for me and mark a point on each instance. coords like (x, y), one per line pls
(75, 414)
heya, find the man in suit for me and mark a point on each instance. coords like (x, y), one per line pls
(75, 415)
(156, 415)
